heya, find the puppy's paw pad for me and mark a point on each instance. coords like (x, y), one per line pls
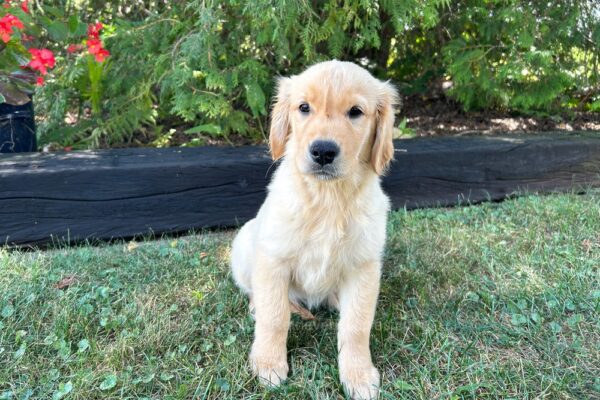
(361, 383)
(269, 373)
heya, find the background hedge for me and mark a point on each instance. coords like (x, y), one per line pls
(205, 68)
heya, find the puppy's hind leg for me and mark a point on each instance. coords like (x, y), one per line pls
(243, 259)
(333, 301)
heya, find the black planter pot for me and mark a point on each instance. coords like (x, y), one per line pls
(17, 128)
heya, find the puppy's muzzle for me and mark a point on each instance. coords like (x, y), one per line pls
(323, 152)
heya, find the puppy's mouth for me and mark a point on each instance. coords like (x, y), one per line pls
(324, 173)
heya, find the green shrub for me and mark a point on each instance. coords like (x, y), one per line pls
(523, 56)
(207, 68)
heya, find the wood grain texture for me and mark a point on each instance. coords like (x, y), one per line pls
(457, 170)
(128, 192)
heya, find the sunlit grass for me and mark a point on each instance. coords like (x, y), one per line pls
(490, 301)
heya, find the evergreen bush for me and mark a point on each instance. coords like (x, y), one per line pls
(207, 68)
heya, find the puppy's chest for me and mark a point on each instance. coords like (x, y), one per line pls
(326, 248)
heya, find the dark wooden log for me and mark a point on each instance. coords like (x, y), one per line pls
(129, 192)
(465, 170)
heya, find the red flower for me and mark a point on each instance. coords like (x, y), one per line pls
(41, 59)
(94, 45)
(74, 48)
(102, 54)
(94, 30)
(95, 48)
(7, 25)
(24, 7)
(39, 81)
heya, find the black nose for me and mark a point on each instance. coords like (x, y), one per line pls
(324, 151)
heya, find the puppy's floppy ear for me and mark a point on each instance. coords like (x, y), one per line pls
(382, 152)
(280, 119)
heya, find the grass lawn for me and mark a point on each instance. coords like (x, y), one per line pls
(490, 301)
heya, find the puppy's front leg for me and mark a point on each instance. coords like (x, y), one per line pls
(270, 283)
(358, 298)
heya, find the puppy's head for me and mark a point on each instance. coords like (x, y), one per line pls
(334, 120)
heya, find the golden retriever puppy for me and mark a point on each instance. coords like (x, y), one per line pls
(320, 234)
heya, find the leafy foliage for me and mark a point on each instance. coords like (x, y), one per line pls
(205, 68)
(523, 56)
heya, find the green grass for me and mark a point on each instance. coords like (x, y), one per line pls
(490, 301)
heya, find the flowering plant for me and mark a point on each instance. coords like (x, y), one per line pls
(18, 65)
(95, 64)
(24, 63)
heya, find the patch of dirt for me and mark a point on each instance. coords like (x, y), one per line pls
(439, 116)
(425, 116)
(443, 117)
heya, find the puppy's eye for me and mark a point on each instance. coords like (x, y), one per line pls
(304, 108)
(355, 112)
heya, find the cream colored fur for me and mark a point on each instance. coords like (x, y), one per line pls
(318, 240)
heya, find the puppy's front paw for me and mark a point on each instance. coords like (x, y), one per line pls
(270, 371)
(360, 383)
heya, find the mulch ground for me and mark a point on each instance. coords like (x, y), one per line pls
(445, 117)
(442, 117)
(438, 116)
